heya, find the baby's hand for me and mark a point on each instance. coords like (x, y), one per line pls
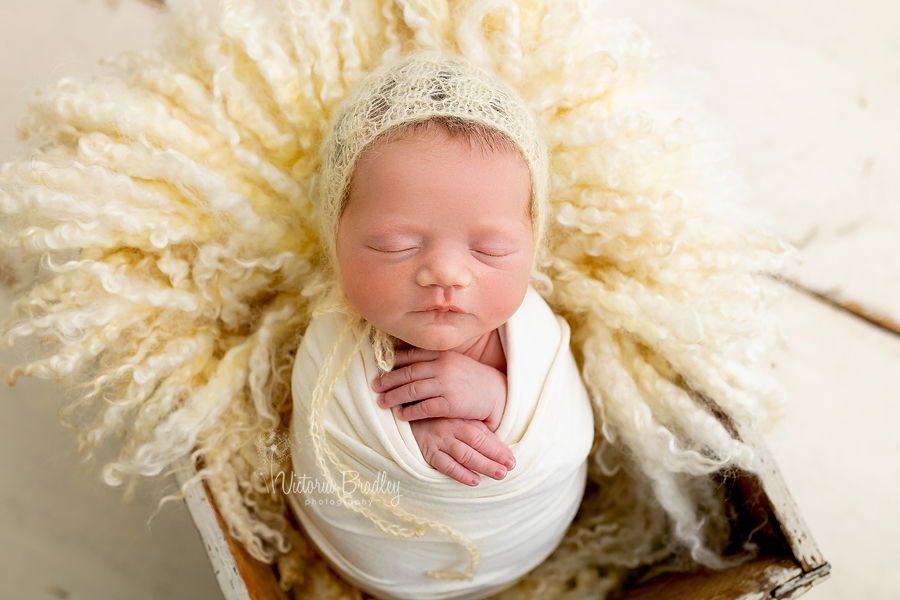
(443, 384)
(457, 447)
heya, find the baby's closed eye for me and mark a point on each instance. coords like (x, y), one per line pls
(494, 249)
(393, 250)
(493, 253)
(393, 244)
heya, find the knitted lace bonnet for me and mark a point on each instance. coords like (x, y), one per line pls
(420, 88)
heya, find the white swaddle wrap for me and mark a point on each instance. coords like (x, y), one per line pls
(515, 523)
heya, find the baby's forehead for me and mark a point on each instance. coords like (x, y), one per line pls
(478, 137)
(434, 137)
(437, 168)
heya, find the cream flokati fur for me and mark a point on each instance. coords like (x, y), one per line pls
(168, 205)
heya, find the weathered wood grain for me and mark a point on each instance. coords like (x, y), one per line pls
(240, 576)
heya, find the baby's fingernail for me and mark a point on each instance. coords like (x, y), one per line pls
(474, 481)
(500, 474)
(511, 463)
(381, 400)
(376, 383)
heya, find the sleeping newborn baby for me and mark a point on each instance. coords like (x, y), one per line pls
(434, 362)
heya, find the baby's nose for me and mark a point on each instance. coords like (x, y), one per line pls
(444, 268)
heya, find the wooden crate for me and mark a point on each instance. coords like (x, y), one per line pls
(789, 563)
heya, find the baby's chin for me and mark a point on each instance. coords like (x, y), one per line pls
(430, 344)
(440, 341)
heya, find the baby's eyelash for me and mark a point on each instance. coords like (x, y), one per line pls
(483, 253)
(383, 251)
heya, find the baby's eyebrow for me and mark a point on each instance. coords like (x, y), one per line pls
(386, 234)
(494, 235)
(498, 229)
(394, 228)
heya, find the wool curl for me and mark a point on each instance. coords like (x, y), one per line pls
(162, 231)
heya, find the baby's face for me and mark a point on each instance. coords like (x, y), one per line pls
(435, 245)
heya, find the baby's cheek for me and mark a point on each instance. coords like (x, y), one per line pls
(372, 292)
(504, 295)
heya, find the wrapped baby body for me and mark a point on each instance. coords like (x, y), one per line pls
(514, 523)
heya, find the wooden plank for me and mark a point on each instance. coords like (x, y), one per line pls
(785, 509)
(800, 585)
(762, 578)
(807, 94)
(209, 524)
(789, 563)
(839, 441)
(240, 576)
(754, 580)
(848, 306)
(259, 578)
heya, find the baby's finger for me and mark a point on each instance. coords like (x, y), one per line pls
(414, 355)
(444, 463)
(430, 407)
(411, 392)
(472, 459)
(487, 444)
(398, 377)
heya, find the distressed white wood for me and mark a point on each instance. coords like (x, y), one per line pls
(800, 585)
(223, 563)
(776, 576)
(838, 448)
(809, 92)
(785, 509)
